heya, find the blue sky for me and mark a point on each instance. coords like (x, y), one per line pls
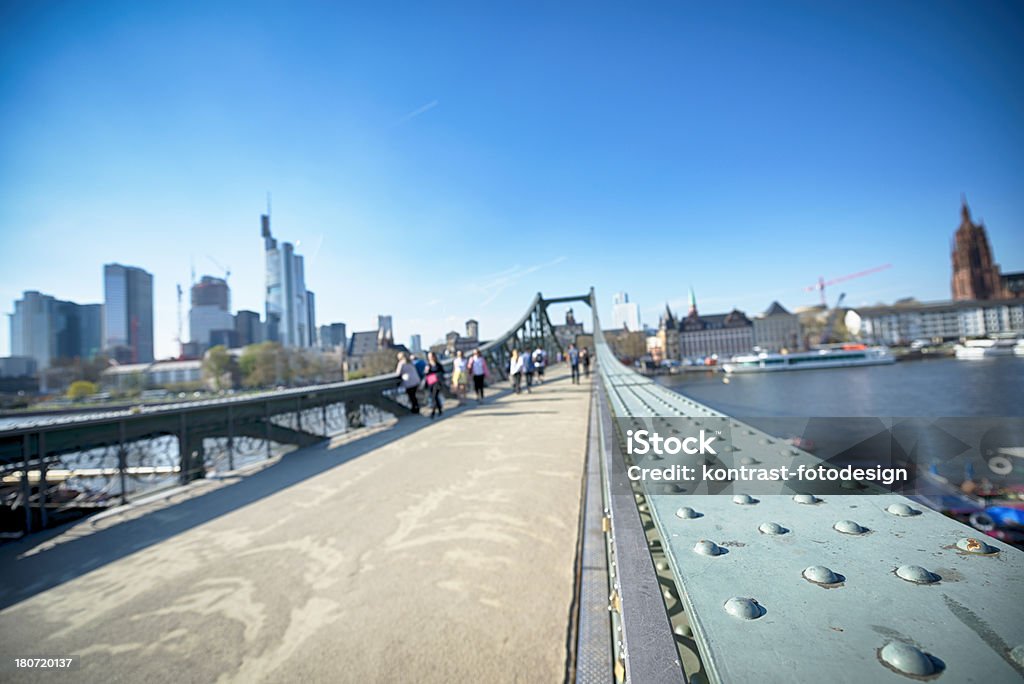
(443, 162)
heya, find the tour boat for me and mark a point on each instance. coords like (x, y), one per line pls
(830, 357)
(986, 348)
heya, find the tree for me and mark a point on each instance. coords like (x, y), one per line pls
(80, 389)
(380, 362)
(219, 368)
(264, 365)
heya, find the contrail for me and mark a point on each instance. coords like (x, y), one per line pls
(416, 112)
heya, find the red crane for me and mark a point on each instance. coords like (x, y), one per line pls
(822, 284)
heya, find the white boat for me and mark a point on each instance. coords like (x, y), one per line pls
(1018, 348)
(987, 348)
(832, 357)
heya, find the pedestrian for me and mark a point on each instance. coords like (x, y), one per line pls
(459, 379)
(528, 370)
(421, 365)
(478, 369)
(573, 356)
(540, 359)
(515, 371)
(410, 380)
(435, 381)
(585, 360)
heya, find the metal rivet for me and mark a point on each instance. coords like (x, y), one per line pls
(642, 508)
(1018, 654)
(748, 460)
(819, 574)
(744, 500)
(687, 513)
(907, 659)
(707, 548)
(661, 565)
(744, 608)
(683, 630)
(902, 510)
(916, 574)
(806, 499)
(765, 440)
(972, 545)
(849, 527)
(771, 528)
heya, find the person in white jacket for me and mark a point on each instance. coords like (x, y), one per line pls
(515, 371)
(478, 369)
(410, 380)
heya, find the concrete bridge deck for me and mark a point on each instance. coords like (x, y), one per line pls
(431, 551)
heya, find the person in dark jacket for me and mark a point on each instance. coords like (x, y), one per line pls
(435, 381)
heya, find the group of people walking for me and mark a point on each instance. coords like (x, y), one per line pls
(524, 369)
(576, 358)
(414, 372)
(525, 366)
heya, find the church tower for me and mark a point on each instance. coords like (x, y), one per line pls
(975, 276)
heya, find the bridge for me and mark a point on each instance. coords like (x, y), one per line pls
(326, 534)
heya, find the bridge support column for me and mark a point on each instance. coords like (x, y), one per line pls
(43, 517)
(26, 488)
(266, 426)
(122, 461)
(231, 440)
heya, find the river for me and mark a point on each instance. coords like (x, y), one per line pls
(932, 388)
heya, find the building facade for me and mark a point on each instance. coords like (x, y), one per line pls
(210, 316)
(128, 313)
(333, 336)
(976, 275)
(287, 317)
(45, 329)
(625, 314)
(248, 328)
(311, 318)
(778, 329)
(937, 321)
(721, 335)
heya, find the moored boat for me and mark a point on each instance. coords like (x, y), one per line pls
(830, 357)
(987, 348)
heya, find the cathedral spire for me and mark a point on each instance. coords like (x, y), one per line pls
(965, 211)
(693, 303)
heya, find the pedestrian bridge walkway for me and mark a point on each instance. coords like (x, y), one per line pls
(427, 551)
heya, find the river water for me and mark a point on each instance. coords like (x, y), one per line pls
(932, 388)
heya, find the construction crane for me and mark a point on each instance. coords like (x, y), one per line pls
(227, 271)
(822, 284)
(830, 321)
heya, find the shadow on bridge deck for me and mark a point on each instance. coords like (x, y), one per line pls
(433, 550)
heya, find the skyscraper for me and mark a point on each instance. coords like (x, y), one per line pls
(46, 329)
(625, 314)
(310, 318)
(128, 313)
(210, 291)
(332, 336)
(287, 303)
(248, 328)
(210, 312)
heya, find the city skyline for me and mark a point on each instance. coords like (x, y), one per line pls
(431, 173)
